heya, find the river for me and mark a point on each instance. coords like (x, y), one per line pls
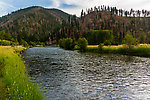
(65, 75)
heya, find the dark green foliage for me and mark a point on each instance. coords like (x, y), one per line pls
(32, 43)
(92, 49)
(100, 46)
(61, 43)
(140, 51)
(15, 43)
(5, 42)
(107, 42)
(95, 37)
(40, 44)
(82, 43)
(5, 35)
(142, 38)
(129, 40)
(24, 43)
(67, 43)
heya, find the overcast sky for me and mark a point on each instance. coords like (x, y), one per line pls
(71, 6)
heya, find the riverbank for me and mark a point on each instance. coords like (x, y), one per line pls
(14, 82)
(142, 50)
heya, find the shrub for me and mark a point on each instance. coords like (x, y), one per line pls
(5, 35)
(100, 47)
(24, 43)
(95, 37)
(41, 44)
(66, 43)
(107, 42)
(14, 43)
(61, 43)
(82, 43)
(129, 40)
(142, 38)
(5, 42)
(32, 44)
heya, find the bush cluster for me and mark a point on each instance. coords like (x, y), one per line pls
(8, 43)
(24, 43)
(95, 37)
(107, 42)
(67, 43)
(82, 43)
(100, 46)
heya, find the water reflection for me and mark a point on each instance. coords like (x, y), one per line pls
(71, 75)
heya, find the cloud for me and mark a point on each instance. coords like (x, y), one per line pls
(68, 6)
(5, 8)
(72, 6)
(83, 4)
(78, 5)
(5, 5)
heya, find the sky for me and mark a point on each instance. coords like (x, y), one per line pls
(71, 6)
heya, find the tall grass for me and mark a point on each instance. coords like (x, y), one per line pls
(139, 50)
(93, 49)
(14, 77)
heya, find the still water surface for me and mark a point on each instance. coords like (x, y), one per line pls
(65, 75)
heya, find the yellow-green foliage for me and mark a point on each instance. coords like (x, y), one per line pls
(129, 40)
(14, 77)
(93, 49)
(138, 50)
(67, 43)
(82, 43)
(8, 43)
(5, 42)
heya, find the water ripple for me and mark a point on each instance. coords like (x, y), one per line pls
(65, 75)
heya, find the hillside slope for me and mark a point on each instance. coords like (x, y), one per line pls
(34, 23)
(41, 24)
(105, 20)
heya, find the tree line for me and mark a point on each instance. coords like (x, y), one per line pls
(116, 11)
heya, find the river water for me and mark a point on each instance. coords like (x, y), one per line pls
(65, 75)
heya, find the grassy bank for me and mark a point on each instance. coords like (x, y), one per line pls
(14, 81)
(139, 50)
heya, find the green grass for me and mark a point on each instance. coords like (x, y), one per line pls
(92, 49)
(143, 51)
(55, 45)
(120, 50)
(13, 77)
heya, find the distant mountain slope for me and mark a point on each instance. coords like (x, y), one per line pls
(60, 13)
(105, 20)
(34, 23)
(42, 24)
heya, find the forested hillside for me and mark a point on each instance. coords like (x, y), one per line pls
(49, 25)
(34, 23)
(111, 18)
